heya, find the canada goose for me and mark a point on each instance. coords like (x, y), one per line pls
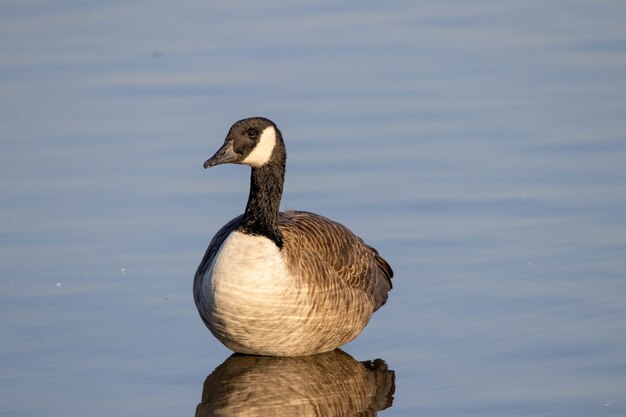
(283, 284)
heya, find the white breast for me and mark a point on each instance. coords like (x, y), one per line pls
(250, 301)
(248, 268)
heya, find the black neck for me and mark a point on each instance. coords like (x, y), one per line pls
(266, 189)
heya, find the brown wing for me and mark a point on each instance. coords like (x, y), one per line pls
(354, 262)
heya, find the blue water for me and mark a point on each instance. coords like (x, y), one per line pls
(479, 146)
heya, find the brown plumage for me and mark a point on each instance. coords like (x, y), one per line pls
(336, 250)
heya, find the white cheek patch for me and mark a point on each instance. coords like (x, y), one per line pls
(262, 152)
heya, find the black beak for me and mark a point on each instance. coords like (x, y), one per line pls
(224, 155)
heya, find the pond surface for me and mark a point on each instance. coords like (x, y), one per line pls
(479, 146)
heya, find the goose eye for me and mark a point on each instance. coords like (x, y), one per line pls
(252, 133)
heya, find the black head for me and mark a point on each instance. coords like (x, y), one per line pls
(255, 141)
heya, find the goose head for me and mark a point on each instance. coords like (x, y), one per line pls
(255, 141)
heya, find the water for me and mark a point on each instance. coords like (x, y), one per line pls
(480, 147)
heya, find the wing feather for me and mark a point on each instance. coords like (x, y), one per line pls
(355, 263)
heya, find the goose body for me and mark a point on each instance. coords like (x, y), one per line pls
(283, 284)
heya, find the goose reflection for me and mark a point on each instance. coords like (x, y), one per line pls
(326, 384)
